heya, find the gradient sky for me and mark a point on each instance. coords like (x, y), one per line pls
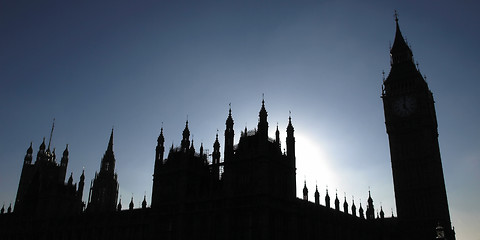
(133, 65)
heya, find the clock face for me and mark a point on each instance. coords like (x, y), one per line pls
(404, 106)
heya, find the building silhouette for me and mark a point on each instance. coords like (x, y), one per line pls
(251, 194)
(42, 189)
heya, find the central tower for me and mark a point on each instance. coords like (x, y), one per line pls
(411, 124)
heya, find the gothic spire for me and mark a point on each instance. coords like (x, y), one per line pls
(70, 179)
(277, 136)
(108, 160)
(119, 206)
(130, 206)
(28, 155)
(229, 122)
(144, 203)
(110, 142)
(400, 52)
(337, 202)
(360, 210)
(229, 136)
(161, 138)
(290, 129)
(30, 149)
(64, 161)
(354, 209)
(327, 199)
(370, 207)
(82, 177)
(345, 204)
(42, 146)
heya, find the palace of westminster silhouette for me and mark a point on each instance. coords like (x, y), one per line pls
(251, 192)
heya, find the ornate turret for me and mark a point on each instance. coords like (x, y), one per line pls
(70, 180)
(131, 205)
(290, 140)
(41, 151)
(345, 204)
(144, 203)
(185, 144)
(370, 208)
(263, 123)
(81, 185)
(64, 161)
(354, 209)
(337, 202)
(305, 191)
(229, 136)
(119, 206)
(160, 149)
(216, 151)
(159, 157)
(277, 137)
(317, 195)
(327, 199)
(360, 211)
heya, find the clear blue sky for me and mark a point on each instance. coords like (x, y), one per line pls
(133, 65)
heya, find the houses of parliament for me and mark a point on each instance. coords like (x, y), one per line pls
(250, 192)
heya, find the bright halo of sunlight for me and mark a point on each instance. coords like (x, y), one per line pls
(312, 165)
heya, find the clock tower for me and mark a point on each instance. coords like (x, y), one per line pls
(411, 124)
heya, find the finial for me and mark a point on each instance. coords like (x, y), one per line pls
(396, 16)
(187, 121)
(383, 75)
